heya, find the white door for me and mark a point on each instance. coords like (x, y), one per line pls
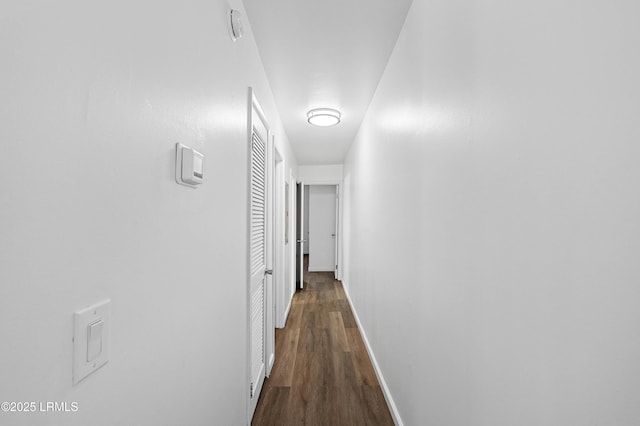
(336, 234)
(322, 228)
(259, 249)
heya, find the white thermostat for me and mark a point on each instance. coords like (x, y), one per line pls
(189, 166)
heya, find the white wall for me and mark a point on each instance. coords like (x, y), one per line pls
(328, 173)
(290, 247)
(493, 207)
(322, 223)
(94, 98)
(344, 231)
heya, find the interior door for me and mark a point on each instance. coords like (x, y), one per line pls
(300, 235)
(258, 250)
(336, 234)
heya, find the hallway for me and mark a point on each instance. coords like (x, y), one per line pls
(484, 156)
(322, 374)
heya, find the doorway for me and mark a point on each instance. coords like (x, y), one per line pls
(321, 228)
(336, 183)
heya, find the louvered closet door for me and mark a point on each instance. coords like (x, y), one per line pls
(258, 259)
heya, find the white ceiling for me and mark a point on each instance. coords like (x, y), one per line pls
(324, 53)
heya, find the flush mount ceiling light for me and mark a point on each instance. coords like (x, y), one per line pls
(324, 117)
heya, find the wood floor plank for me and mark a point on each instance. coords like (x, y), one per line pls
(347, 316)
(301, 389)
(354, 339)
(365, 374)
(322, 318)
(308, 318)
(350, 407)
(272, 406)
(295, 316)
(286, 347)
(375, 408)
(344, 370)
(324, 407)
(308, 339)
(309, 296)
(337, 336)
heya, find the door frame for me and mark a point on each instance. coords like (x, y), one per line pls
(290, 248)
(300, 235)
(275, 191)
(339, 200)
(280, 251)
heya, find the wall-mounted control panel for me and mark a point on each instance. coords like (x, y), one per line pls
(90, 339)
(189, 166)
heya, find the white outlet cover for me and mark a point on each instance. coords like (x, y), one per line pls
(82, 319)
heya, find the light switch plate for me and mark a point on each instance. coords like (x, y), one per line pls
(89, 341)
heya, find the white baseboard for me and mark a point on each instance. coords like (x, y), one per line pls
(272, 359)
(286, 312)
(383, 384)
(320, 269)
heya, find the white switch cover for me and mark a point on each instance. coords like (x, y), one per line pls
(90, 340)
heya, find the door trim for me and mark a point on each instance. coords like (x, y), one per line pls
(339, 184)
(280, 250)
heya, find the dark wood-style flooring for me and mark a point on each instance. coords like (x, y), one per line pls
(322, 374)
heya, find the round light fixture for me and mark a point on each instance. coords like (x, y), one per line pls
(324, 117)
